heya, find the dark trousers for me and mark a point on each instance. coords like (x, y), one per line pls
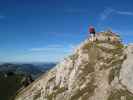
(92, 34)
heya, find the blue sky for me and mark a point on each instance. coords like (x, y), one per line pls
(48, 30)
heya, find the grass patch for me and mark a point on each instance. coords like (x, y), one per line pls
(58, 90)
(9, 86)
(117, 94)
(88, 68)
(37, 95)
(88, 45)
(115, 71)
(89, 89)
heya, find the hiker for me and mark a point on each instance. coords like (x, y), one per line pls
(92, 33)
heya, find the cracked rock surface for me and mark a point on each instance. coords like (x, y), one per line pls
(98, 70)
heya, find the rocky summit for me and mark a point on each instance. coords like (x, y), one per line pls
(97, 70)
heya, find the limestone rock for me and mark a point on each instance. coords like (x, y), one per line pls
(97, 70)
(126, 73)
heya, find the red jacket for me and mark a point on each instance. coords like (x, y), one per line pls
(92, 30)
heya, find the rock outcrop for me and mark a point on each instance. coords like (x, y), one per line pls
(98, 70)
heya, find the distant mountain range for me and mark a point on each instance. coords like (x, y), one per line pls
(32, 69)
(14, 77)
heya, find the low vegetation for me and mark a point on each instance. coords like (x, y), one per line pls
(56, 92)
(120, 95)
(89, 89)
(9, 86)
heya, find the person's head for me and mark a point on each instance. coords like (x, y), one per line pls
(91, 26)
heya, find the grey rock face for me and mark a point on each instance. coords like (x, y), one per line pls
(126, 73)
(96, 71)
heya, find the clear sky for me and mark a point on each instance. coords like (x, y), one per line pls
(48, 30)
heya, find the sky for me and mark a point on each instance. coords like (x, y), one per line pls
(49, 30)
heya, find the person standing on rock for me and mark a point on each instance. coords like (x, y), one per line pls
(92, 33)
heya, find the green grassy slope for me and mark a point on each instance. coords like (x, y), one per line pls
(9, 86)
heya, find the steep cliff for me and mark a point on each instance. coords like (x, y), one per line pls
(97, 70)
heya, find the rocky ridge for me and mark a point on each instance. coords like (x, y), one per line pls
(97, 70)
